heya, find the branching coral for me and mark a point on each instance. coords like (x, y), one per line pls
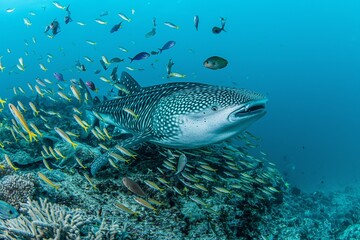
(110, 231)
(44, 220)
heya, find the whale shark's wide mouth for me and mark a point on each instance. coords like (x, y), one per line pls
(250, 109)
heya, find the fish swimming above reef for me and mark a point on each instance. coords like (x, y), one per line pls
(217, 30)
(7, 211)
(79, 66)
(151, 33)
(67, 18)
(167, 46)
(196, 22)
(58, 76)
(215, 63)
(181, 115)
(116, 60)
(139, 56)
(54, 26)
(115, 28)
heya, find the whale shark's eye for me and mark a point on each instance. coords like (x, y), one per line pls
(214, 108)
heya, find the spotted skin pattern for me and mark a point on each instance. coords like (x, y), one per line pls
(162, 110)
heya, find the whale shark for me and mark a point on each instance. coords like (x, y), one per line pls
(181, 115)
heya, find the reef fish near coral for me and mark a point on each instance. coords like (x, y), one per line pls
(180, 115)
(7, 211)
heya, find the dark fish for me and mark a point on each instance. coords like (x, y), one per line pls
(67, 18)
(80, 67)
(7, 211)
(115, 28)
(97, 71)
(103, 64)
(55, 27)
(167, 46)
(116, 60)
(169, 66)
(154, 21)
(58, 76)
(133, 186)
(154, 52)
(196, 22)
(217, 30)
(215, 63)
(113, 74)
(91, 85)
(140, 56)
(151, 33)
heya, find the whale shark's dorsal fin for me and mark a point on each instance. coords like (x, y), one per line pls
(129, 83)
(85, 90)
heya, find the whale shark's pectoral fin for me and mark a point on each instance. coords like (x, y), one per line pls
(102, 160)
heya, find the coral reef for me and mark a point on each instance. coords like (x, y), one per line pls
(257, 206)
(24, 158)
(44, 220)
(351, 233)
(225, 191)
(15, 189)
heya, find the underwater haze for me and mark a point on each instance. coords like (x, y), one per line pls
(304, 55)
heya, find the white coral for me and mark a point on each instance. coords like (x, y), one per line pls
(44, 220)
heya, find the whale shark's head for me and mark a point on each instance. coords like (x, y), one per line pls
(207, 114)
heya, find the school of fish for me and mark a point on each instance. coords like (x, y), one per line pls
(174, 116)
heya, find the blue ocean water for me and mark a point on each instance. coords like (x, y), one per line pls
(304, 55)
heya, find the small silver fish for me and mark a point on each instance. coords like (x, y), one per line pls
(181, 163)
(7, 211)
(171, 25)
(196, 22)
